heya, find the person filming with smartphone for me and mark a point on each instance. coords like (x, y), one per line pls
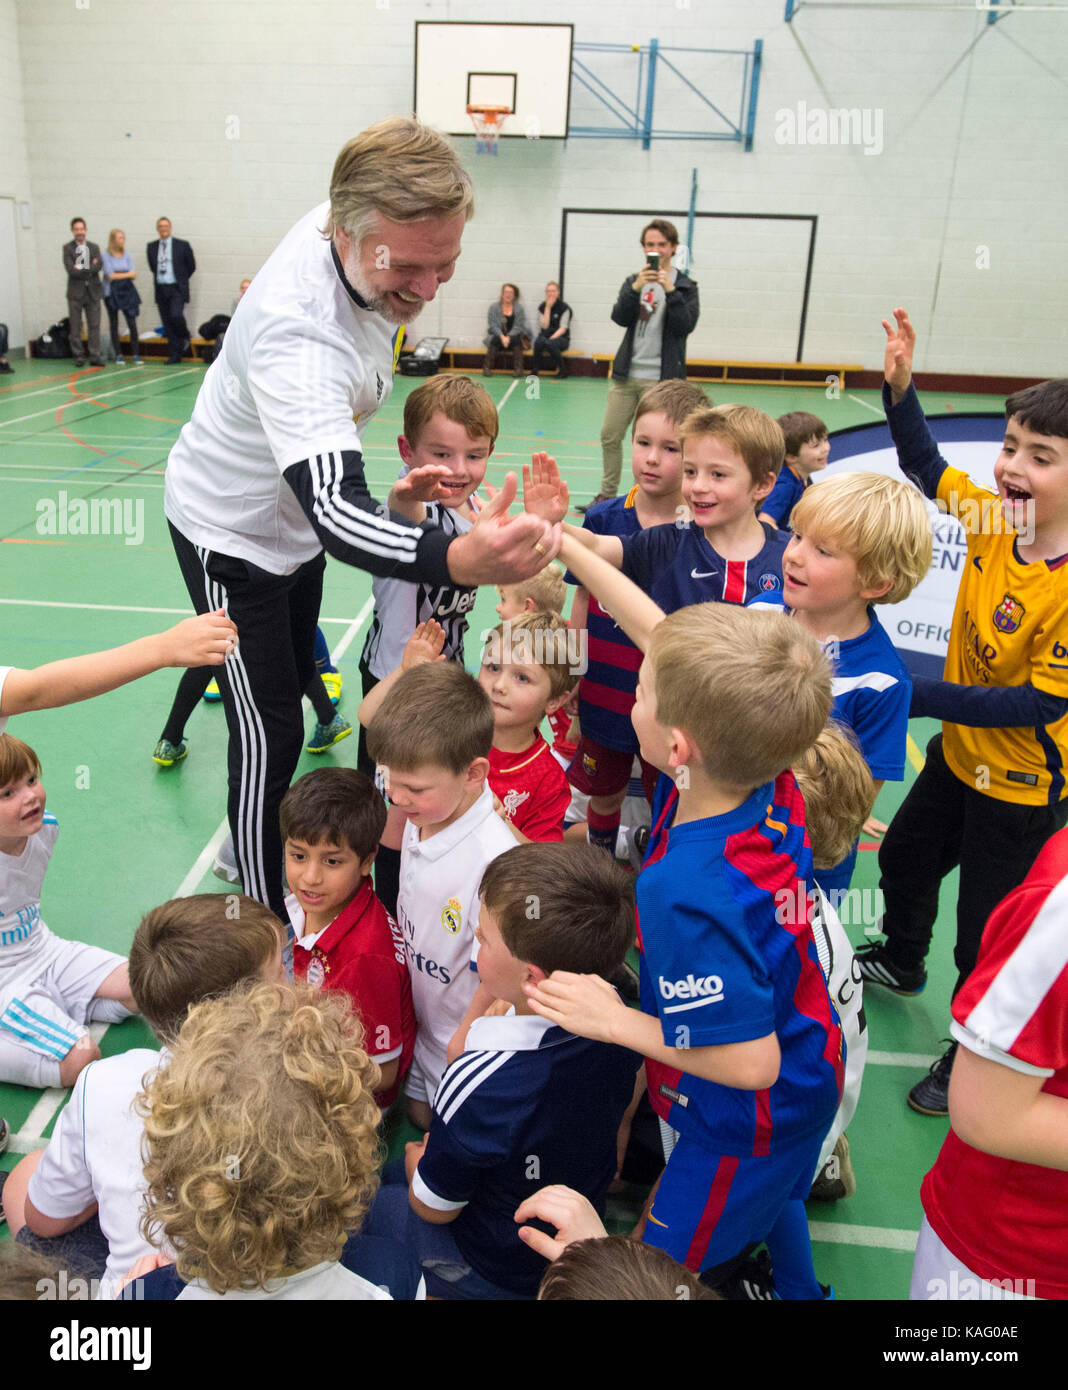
(659, 308)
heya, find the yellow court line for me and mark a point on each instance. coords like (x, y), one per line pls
(916, 758)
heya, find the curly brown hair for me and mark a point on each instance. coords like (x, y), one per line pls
(261, 1136)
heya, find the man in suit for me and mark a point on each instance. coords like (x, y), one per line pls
(171, 262)
(82, 261)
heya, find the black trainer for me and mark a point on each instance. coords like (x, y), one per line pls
(878, 968)
(931, 1095)
(751, 1281)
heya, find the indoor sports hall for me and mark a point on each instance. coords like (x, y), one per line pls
(823, 162)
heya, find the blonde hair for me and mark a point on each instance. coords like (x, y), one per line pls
(750, 687)
(881, 522)
(17, 759)
(112, 247)
(546, 644)
(750, 432)
(398, 169)
(838, 791)
(261, 1136)
(459, 399)
(546, 588)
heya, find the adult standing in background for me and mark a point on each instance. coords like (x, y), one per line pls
(83, 263)
(268, 473)
(120, 294)
(554, 330)
(659, 308)
(171, 261)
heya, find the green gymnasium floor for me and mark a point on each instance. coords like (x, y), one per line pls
(134, 834)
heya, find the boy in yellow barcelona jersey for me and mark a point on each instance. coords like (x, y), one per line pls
(992, 790)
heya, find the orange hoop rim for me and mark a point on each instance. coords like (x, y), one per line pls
(488, 119)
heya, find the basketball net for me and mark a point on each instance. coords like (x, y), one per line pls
(487, 121)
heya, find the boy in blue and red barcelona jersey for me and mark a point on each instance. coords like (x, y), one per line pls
(992, 790)
(743, 1047)
(607, 744)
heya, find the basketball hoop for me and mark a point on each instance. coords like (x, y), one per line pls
(487, 121)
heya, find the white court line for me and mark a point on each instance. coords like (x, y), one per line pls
(63, 442)
(40, 1117)
(128, 608)
(504, 399)
(56, 386)
(875, 409)
(87, 481)
(876, 1237)
(901, 1059)
(89, 400)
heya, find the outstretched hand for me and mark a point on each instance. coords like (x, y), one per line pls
(900, 347)
(206, 640)
(545, 493)
(572, 1214)
(422, 484)
(425, 644)
(502, 549)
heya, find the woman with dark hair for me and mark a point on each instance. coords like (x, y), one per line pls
(506, 328)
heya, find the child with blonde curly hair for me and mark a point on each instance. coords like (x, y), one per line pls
(262, 1154)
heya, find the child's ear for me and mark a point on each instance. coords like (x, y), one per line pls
(876, 590)
(529, 606)
(761, 490)
(477, 771)
(557, 701)
(365, 864)
(791, 458)
(404, 448)
(533, 974)
(683, 751)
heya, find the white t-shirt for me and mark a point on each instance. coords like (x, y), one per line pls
(437, 908)
(94, 1154)
(846, 988)
(329, 1282)
(22, 933)
(301, 363)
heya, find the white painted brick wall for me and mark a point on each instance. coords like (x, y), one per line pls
(975, 148)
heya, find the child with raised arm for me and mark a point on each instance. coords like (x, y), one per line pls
(525, 1103)
(607, 746)
(743, 1047)
(206, 640)
(858, 540)
(992, 790)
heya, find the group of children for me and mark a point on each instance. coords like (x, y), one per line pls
(484, 950)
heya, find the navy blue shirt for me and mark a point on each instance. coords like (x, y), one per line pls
(676, 566)
(527, 1104)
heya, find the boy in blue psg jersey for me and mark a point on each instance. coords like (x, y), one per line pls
(607, 745)
(807, 451)
(858, 540)
(992, 790)
(743, 1048)
(525, 1103)
(731, 456)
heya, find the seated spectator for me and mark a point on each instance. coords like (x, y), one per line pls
(507, 327)
(120, 294)
(554, 331)
(5, 366)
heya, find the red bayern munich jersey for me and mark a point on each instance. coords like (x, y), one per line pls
(1004, 1218)
(533, 789)
(362, 953)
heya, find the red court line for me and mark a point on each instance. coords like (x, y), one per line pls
(83, 397)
